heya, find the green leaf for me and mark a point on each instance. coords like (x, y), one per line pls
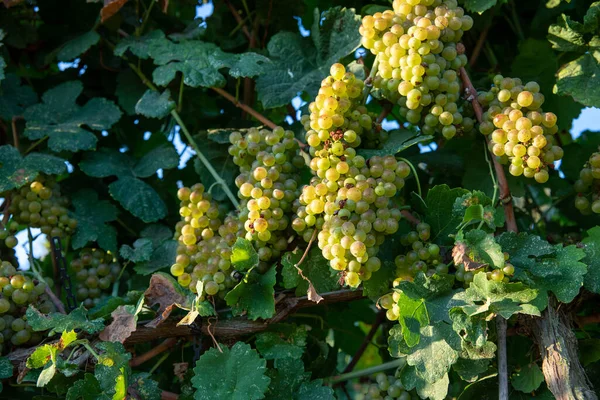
(145, 386)
(440, 202)
(154, 104)
(162, 257)
(92, 215)
(112, 368)
(479, 6)
(17, 171)
(478, 248)
(475, 206)
(157, 233)
(566, 35)
(139, 198)
(471, 329)
(380, 281)
(161, 157)
(62, 120)
(286, 378)
(129, 90)
(592, 250)
(589, 350)
(528, 378)
(57, 322)
(579, 78)
(314, 267)
(77, 46)
(562, 275)
(285, 341)
(14, 97)
(399, 141)
(470, 370)
(299, 65)
(106, 162)
(141, 251)
(6, 370)
(235, 374)
(254, 295)
(243, 255)
(140, 46)
(314, 390)
(87, 388)
(412, 317)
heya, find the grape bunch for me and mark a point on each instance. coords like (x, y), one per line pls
(588, 186)
(7, 233)
(95, 272)
(418, 59)
(205, 242)
(423, 256)
(521, 132)
(18, 291)
(497, 275)
(339, 107)
(268, 185)
(40, 205)
(385, 387)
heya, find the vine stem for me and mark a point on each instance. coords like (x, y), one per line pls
(264, 120)
(367, 371)
(369, 80)
(367, 340)
(414, 170)
(14, 131)
(164, 346)
(511, 225)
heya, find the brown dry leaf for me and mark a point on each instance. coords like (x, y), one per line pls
(165, 6)
(11, 3)
(122, 326)
(163, 292)
(460, 256)
(180, 369)
(311, 292)
(111, 7)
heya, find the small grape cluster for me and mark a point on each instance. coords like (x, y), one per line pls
(418, 59)
(385, 387)
(18, 291)
(95, 272)
(205, 242)
(497, 275)
(588, 186)
(339, 107)
(40, 205)
(268, 186)
(423, 256)
(520, 131)
(7, 233)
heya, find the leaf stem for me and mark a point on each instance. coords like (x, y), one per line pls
(180, 99)
(89, 348)
(414, 170)
(367, 371)
(369, 80)
(487, 159)
(146, 17)
(33, 146)
(264, 120)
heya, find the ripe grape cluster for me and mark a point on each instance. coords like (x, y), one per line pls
(205, 242)
(268, 185)
(385, 387)
(18, 291)
(418, 59)
(520, 131)
(39, 205)
(588, 186)
(95, 271)
(423, 256)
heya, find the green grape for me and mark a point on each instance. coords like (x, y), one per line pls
(587, 187)
(96, 271)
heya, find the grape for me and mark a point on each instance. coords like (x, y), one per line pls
(95, 272)
(524, 131)
(587, 186)
(382, 386)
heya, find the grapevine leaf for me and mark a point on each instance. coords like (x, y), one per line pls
(299, 65)
(17, 171)
(235, 374)
(106, 162)
(579, 77)
(161, 157)
(243, 255)
(141, 251)
(440, 202)
(112, 367)
(110, 304)
(315, 269)
(140, 46)
(314, 390)
(433, 390)
(254, 295)
(412, 317)
(147, 387)
(157, 233)
(380, 281)
(162, 257)
(589, 350)
(57, 322)
(62, 120)
(471, 329)
(566, 35)
(167, 293)
(154, 104)
(217, 155)
(139, 198)
(399, 141)
(592, 259)
(286, 378)
(528, 378)
(200, 307)
(471, 370)
(92, 215)
(129, 90)
(285, 341)
(46, 375)
(475, 206)
(47, 352)
(479, 6)
(77, 46)
(111, 7)
(87, 388)
(478, 249)
(124, 323)
(6, 370)
(14, 97)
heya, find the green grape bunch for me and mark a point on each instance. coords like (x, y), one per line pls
(423, 256)
(205, 243)
(18, 291)
(384, 387)
(587, 186)
(520, 131)
(503, 274)
(417, 62)
(95, 273)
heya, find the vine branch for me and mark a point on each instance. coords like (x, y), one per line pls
(142, 358)
(264, 120)
(379, 319)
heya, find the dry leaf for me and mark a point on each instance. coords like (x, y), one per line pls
(180, 369)
(11, 3)
(165, 6)
(162, 292)
(460, 256)
(111, 7)
(311, 292)
(122, 326)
